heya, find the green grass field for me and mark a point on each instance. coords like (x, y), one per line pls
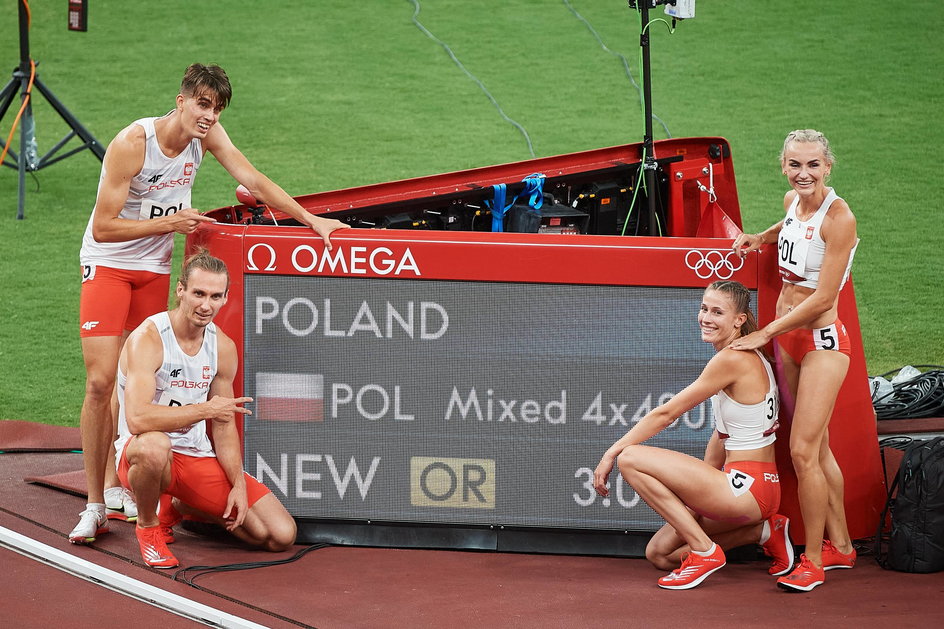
(337, 94)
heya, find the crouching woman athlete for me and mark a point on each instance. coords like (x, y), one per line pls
(731, 498)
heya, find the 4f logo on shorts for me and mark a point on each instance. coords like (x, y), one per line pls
(739, 482)
(88, 325)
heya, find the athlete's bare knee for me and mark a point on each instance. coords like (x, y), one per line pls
(99, 387)
(659, 559)
(805, 458)
(151, 450)
(629, 460)
(282, 532)
(279, 542)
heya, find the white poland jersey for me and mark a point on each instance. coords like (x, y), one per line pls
(182, 379)
(162, 188)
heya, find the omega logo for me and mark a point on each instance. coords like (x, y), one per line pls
(359, 260)
(251, 263)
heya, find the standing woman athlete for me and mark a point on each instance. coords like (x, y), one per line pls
(731, 498)
(816, 241)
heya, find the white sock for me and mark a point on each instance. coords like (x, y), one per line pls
(96, 506)
(765, 532)
(705, 553)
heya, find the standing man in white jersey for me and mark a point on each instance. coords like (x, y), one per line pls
(143, 200)
(175, 371)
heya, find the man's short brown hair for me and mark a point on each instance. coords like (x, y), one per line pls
(199, 78)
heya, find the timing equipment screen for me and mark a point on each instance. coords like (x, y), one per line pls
(461, 402)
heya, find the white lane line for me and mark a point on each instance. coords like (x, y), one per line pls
(120, 583)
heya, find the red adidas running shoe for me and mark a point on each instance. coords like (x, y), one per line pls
(154, 550)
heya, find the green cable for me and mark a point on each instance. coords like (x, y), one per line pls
(632, 204)
(671, 29)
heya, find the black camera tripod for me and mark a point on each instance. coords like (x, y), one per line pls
(28, 158)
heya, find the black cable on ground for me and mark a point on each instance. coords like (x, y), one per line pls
(921, 396)
(202, 570)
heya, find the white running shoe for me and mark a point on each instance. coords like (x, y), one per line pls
(120, 505)
(92, 523)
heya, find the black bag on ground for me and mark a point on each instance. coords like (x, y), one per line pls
(916, 540)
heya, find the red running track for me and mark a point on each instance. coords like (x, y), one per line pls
(346, 587)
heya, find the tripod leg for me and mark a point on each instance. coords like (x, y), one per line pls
(71, 120)
(6, 96)
(24, 147)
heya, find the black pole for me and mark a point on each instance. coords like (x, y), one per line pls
(649, 162)
(24, 37)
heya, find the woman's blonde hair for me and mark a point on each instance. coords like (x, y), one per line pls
(809, 135)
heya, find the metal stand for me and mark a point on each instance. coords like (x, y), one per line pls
(649, 163)
(28, 159)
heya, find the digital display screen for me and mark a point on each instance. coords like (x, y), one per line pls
(458, 402)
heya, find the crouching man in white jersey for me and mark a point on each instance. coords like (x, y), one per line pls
(175, 371)
(143, 200)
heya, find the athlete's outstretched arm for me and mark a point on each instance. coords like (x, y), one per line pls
(839, 233)
(714, 451)
(225, 435)
(722, 370)
(745, 243)
(262, 188)
(140, 360)
(123, 160)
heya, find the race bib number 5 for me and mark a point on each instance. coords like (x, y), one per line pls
(826, 338)
(88, 272)
(739, 482)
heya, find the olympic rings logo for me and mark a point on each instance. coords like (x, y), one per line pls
(713, 263)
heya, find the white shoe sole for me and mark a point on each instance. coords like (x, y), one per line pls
(692, 584)
(797, 588)
(116, 514)
(791, 557)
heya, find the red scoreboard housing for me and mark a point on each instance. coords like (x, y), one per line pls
(435, 383)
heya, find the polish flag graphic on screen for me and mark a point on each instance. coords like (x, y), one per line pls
(290, 397)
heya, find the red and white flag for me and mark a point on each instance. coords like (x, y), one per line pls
(291, 397)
